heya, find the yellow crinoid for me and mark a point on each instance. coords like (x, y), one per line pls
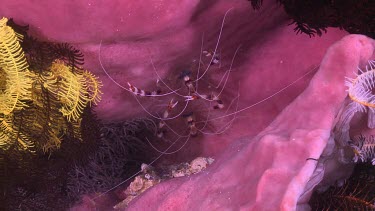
(16, 83)
(74, 91)
(14, 71)
(38, 107)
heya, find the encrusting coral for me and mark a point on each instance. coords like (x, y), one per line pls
(151, 176)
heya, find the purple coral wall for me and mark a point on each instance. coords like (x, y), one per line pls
(258, 166)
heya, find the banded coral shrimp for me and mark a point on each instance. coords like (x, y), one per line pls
(191, 95)
(190, 99)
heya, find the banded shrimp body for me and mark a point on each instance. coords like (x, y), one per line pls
(198, 100)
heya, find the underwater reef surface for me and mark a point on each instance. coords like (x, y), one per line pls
(260, 160)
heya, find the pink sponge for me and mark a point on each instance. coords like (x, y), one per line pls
(270, 171)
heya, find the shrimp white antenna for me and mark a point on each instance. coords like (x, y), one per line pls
(160, 79)
(165, 151)
(199, 63)
(267, 98)
(174, 131)
(228, 71)
(226, 76)
(207, 118)
(217, 45)
(228, 124)
(116, 186)
(118, 84)
(159, 118)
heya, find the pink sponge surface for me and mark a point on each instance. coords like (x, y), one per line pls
(260, 162)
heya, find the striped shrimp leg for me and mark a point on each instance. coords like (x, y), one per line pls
(219, 103)
(189, 84)
(190, 119)
(161, 124)
(143, 93)
(215, 56)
